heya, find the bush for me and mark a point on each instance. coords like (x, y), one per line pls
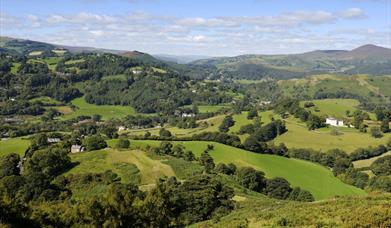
(94, 142)
(278, 188)
(375, 132)
(382, 166)
(251, 179)
(123, 143)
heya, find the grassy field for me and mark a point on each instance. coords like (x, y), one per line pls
(14, 145)
(241, 120)
(106, 111)
(116, 160)
(368, 162)
(334, 107)
(15, 67)
(350, 139)
(69, 62)
(312, 177)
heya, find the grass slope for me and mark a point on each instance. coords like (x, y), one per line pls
(312, 177)
(298, 136)
(368, 211)
(106, 111)
(111, 159)
(368, 162)
(334, 107)
(14, 145)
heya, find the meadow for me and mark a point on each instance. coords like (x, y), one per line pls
(14, 145)
(106, 111)
(118, 161)
(333, 107)
(312, 177)
(349, 139)
(368, 162)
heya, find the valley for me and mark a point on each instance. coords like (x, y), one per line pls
(82, 129)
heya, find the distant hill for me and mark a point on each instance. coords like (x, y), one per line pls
(367, 59)
(25, 47)
(181, 59)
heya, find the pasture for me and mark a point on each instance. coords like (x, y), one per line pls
(333, 107)
(312, 177)
(106, 111)
(118, 161)
(14, 145)
(368, 162)
(298, 136)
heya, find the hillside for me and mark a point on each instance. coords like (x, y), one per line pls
(368, 59)
(368, 211)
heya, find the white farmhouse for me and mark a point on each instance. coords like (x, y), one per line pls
(77, 149)
(334, 122)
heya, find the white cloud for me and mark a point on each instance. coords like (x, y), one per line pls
(288, 32)
(353, 13)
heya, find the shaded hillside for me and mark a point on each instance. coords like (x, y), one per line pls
(369, 59)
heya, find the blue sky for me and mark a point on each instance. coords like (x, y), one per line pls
(201, 27)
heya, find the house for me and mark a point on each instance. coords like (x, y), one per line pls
(54, 140)
(77, 149)
(188, 115)
(122, 128)
(136, 71)
(334, 122)
(265, 102)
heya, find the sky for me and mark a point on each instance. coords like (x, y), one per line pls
(201, 27)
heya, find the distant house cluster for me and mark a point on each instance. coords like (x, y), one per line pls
(334, 122)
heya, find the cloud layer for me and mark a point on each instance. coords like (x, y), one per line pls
(289, 32)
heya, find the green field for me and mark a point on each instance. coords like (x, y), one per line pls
(241, 120)
(111, 159)
(312, 177)
(298, 136)
(368, 162)
(333, 107)
(14, 145)
(106, 111)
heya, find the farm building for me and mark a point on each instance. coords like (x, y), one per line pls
(77, 149)
(334, 122)
(53, 140)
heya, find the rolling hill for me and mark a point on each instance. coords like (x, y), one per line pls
(368, 59)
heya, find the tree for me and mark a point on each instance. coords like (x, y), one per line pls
(9, 165)
(278, 188)
(123, 143)
(341, 165)
(252, 179)
(382, 166)
(252, 114)
(165, 148)
(385, 126)
(228, 122)
(375, 132)
(94, 142)
(298, 194)
(207, 161)
(96, 117)
(165, 133)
